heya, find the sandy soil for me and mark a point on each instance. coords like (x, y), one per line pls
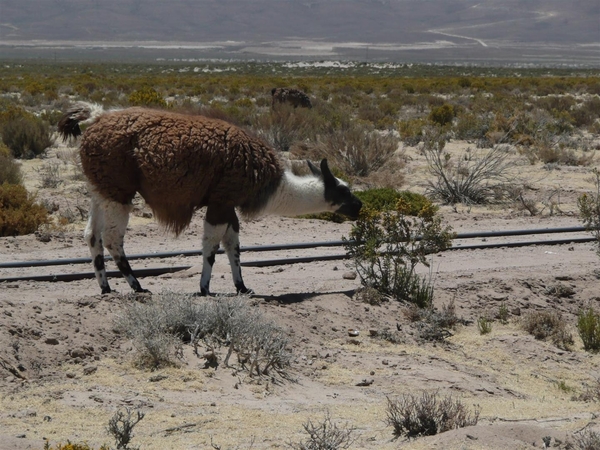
(64, 371)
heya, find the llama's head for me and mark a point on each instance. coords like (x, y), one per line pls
(337, 193)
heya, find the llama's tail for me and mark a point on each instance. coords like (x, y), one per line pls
(68, 125)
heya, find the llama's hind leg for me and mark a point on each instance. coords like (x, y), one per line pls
(93, 237)
(116, 217)
(231, 244)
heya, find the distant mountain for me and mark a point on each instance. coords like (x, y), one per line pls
(288, 28)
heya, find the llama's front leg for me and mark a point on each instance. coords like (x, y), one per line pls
(210, 245)
(116, 217)
(231, 243)
(93, 238)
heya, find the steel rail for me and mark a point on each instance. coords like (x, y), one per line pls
(277, 247)
(283, 261)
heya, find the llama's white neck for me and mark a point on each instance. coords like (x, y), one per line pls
(298, 195)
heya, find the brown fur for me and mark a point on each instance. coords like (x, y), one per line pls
(178, 163)
(294, 97)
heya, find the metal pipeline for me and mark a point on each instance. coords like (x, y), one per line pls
(283, 261)
(278, 247)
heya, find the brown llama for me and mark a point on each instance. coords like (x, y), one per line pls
(294, 97)
(180, 163)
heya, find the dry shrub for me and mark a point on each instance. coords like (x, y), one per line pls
(161, 326)
(590, 394)
(285, 126)
(544, 325)
(50, 175)
(10, 170)
(413, 415)
(474, 178)
(19, 214)
(434, 325)
(121, 425)
(588, 440)
(326, 435)
(358, 150)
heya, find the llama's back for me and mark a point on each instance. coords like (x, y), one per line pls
(177, 162)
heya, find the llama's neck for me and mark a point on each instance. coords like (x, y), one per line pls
(298, 195)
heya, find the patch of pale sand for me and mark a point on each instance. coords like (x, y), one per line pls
(537, 384)
(78, 406)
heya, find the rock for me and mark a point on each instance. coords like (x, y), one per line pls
(156, 378)
(51, 341)
(349, 276)
(89, 370)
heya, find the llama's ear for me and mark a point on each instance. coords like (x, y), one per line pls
(327, 175)
(314, 169)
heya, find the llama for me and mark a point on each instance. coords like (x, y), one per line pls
(180, 163)
(294, 97)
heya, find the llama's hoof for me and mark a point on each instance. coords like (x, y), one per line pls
(245, 291)
(142, 291)
(203, 293)
(106, 290)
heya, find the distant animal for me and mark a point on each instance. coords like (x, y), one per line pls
(294, 97)
(180, 163)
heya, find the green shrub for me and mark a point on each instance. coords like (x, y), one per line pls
(10, 170)
(442, 115)
(19, 214)
(386, 199)
(147, 96)
(386, 247)
(484, 325)
(26, 135)
(588, 325)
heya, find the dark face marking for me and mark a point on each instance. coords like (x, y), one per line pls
(337, 193)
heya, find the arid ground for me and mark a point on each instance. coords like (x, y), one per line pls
(64, 372)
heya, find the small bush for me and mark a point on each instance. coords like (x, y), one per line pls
(121, 425)
(10, 170)
(503, 314)
(387, 247)
(442, 115)
(26, 135)
(550, 325)
(434, 325)
(325, 436)
(590, 394)
(19, 214)
(427, 414)
(588, 325)
(475, 178)
(50, 175)
(588, 440)
(484, 325)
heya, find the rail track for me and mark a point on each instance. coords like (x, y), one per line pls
(462, 241)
